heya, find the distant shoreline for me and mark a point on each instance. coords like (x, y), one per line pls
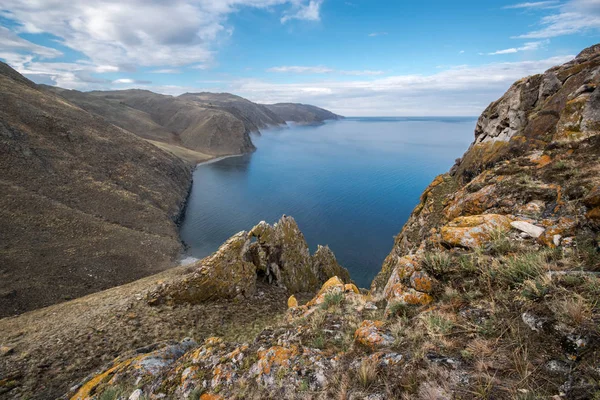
(214, 160)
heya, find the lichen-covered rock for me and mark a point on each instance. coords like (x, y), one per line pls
(326, 265)
(371, 334)
(279, 255)
(282, 254)
(408, 284)
(225, 274)
(292, 302)
(474, 231)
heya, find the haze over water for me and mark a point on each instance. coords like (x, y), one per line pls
(350, 184)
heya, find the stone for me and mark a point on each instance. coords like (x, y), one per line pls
(533, 322)
(556, 240)
(6, 350)
(565, 226)
(292, 302)
(370, 334)
(282, 254)
(474, 231)
(558, 367)
(530, 229)
(136, 395)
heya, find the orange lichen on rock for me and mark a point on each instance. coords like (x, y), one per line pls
(474, 231)
(420, 281)
(351, 287)
(275, 356)
(210, 396)
(86, 391)
(292, 302)
(564, 227)
(371, 335)
(334, 284)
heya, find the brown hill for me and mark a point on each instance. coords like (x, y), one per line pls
(85, 205)
(302, 113)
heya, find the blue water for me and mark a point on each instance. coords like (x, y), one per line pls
(350, 184)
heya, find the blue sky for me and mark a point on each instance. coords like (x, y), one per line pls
(359, 57)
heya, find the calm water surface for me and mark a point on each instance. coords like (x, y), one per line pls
(350, 184)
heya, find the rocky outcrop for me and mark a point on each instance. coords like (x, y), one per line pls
(85, 205)
(529, 161)
(276, 254)
(279, 362)
(302, 113)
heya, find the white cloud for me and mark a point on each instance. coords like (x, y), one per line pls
(574, 16)
(295, 69)
(530, 46)
(374, 34)
(533, 5)
(461, 52)
(307, 12)
(166, 71)
(11, 42)
(170, 34)
(462, 90)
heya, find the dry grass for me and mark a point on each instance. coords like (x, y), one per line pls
(367, 372)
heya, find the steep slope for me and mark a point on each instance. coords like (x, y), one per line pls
(85, 205)
(491, 289)
(172, 120)
(235, 292)
(302, 113)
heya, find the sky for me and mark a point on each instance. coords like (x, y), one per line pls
(356, 58)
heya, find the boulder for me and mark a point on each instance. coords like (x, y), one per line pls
(474, 231)
(530, 229)
(371, 335)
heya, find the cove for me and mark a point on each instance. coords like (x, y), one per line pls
(350, 184)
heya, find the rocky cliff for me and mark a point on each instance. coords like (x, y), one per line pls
(302, 113)
(490, 290)
(85, 205)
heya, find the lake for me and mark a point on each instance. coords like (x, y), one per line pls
(350, 184)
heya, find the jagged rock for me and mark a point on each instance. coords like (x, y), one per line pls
(351, 287)
(474, 231)
(565, 226)
(225, 274)
(324, 262)
(280, 254)
(286, 258)
(529, 229)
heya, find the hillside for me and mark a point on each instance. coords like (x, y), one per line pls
(85, 205)
(489, 292)
(302, 113)
(176, 121)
